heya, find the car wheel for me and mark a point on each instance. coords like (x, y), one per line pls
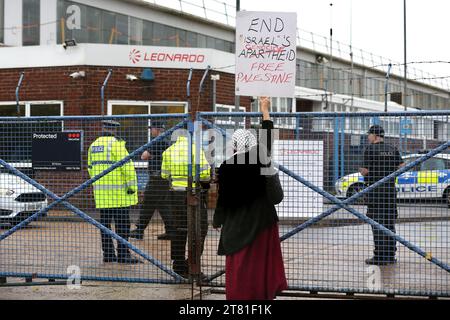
(353, 189)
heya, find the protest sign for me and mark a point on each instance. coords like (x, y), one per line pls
(265, 53)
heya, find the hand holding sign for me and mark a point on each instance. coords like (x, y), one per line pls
(264, 103)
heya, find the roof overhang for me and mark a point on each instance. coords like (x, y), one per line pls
(116, 56)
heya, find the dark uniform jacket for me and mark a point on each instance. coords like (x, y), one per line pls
(243, 209)
(381, 160)
(156, 150)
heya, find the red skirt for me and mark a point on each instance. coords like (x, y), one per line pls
(256, 272)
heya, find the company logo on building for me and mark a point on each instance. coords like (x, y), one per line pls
(135, 56)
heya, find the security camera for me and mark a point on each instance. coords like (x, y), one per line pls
(321, 59)
(69, 43)
(131, 77)
(77, 75)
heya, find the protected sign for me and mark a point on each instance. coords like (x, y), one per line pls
(266, 53)
(56, 150)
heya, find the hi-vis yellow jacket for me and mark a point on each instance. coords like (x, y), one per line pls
(175, 161)
(111, 191)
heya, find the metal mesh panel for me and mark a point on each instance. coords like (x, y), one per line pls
(326, 228)
(94, 238)
(327, 248)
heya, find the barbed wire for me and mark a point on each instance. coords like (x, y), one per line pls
(311, 95)
(414, 62)
(205, 6)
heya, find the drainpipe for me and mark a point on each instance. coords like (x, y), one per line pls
(388, 74)
(17, 92)
(102, 91)
(188, 89)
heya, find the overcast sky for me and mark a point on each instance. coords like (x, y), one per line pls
(375, 26)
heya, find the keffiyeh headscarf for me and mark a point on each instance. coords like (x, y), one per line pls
(243, 140)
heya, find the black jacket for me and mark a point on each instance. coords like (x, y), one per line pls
(243, 209)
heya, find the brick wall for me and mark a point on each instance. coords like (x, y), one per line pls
(82, 96)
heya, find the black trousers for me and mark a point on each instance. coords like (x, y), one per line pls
(121, 218)
(156, 197)
(384, 211)
(178, 202)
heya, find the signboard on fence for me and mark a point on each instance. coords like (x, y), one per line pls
(266, 53)
(304, 158)
(59, 151)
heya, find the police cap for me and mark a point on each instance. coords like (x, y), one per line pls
(376, 130)
(110, 124)
(157, 124)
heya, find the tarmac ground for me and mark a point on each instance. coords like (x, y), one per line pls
(328, 258)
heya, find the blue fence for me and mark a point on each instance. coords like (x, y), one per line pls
(325, 231)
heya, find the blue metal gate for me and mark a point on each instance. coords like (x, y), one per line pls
(325, 233)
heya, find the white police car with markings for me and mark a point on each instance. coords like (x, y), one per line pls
(427, 180)
(18, 199)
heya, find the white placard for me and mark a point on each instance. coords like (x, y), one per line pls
(266, 53)
(304, 158)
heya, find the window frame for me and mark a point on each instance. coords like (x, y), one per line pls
(147, 32)
(230, 121)
(111, 103)
(149, 103)
(34, 28)
(2, 21)
(28, 105)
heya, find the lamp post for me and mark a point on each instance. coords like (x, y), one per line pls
(237, 100)
(405, 80)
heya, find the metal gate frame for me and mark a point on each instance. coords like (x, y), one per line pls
(339, 204)
(201, 117)
(63, 200)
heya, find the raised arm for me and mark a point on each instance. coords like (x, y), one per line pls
(264, 102)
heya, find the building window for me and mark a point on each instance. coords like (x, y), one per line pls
(2, 21)
(210, 42)
(31, 22)
(87, 24)
(108, 27)
(228, 122)
(15, 136)
(164, 35)
(201, 41)
(136, 29)
(191, 39)
(93, 25)
(147, 33)
(121, 29)
(283, 105)
(135, 131)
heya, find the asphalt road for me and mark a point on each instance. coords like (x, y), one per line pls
(325, 258)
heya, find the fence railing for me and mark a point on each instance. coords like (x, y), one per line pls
(51, 223)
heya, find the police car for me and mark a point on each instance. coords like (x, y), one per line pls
(427, 180)
(18, 199)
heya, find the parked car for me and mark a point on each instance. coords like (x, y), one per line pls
(18, 199)
(428, 180)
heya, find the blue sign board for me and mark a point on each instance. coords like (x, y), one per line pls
(405, 126)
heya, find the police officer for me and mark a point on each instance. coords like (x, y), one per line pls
(115, 192)
(380, 160)
(156, 194)
(174, 168)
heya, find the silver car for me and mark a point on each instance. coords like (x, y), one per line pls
(18, 199)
